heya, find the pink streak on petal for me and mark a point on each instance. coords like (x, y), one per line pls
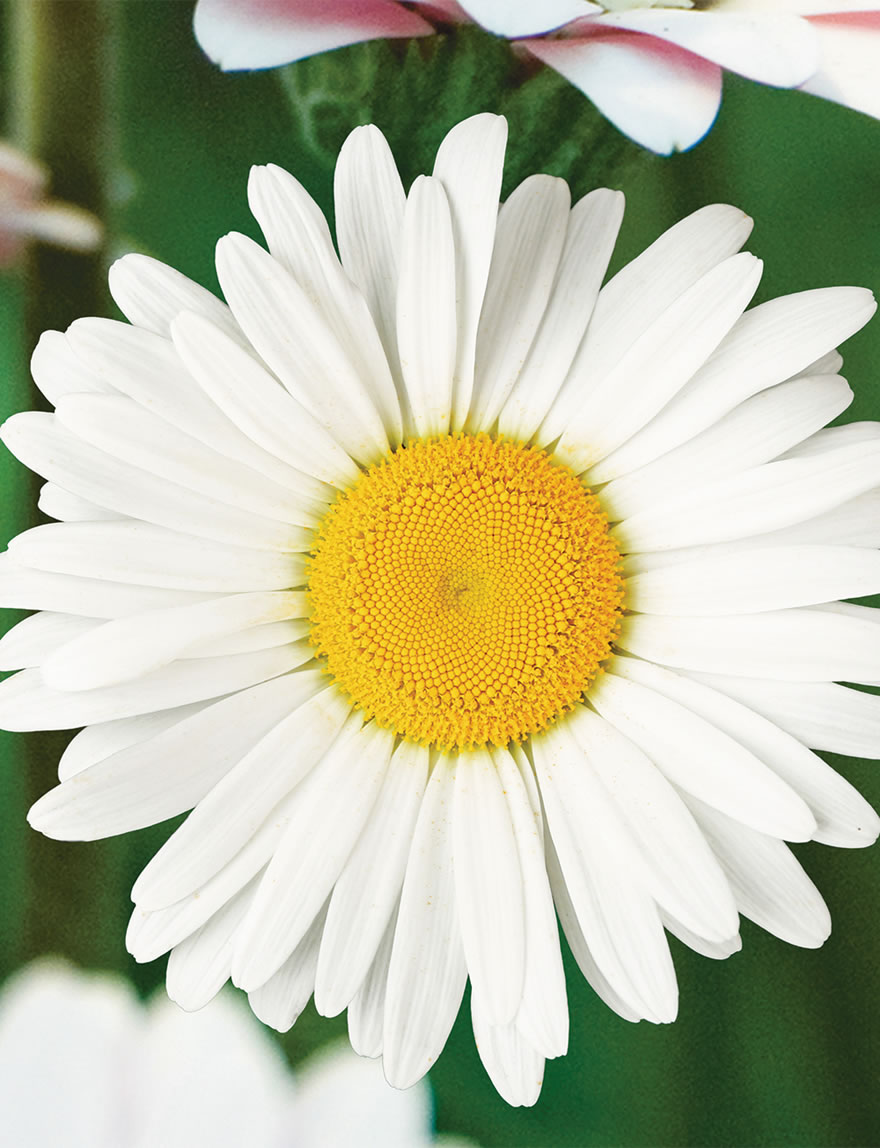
(240, 34)
(446, 10)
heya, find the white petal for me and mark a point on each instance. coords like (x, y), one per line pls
(426, 307)
(684, 876)
(152, 933)
(488, 887)
(848, 52)
(638, 295)
(630, 1010)
(593, 224)
(514, 1067)
(772, 49)
(668, 100)
(166, 774)
(798, 645)
(528, 245)
(469, 165)
(30, 642)
(366, 1013)
(831, 438)
(852, 610)
(855, 522)
(617, 405)
(26, 703)
(714, 950)
(756, 431)
(150, 294)
(199, 966)
(334, 803)
(296, 340)
(29, 589)
(824, 715)
(55, 502)
(606, 878)
(370, 203)
(43, 444)
(770, 344)
(282, 998)
(702, 759)
(524, 17)
(147, 555)
(297, 235)
(96, 742)
(149, 370)
(127, 647)
(827, 364)
(58, 370)
(261, 637)
(756, 580)
(261, 408)
(365, 896)
(770, 887)
(236, 808)
(842, 815)
(427, 971)
(755, 501)
(543, 1013)
(123, 429)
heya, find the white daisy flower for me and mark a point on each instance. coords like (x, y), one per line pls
(84, 1064)
(444, 584)
(653, 68)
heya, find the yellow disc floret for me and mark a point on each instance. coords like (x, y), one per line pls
(464, 591)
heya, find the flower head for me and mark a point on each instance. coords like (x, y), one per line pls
(443, 584)
(652, 67)
(83, 1062)
(27, 214)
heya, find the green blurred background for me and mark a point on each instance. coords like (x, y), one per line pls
(776, 1046)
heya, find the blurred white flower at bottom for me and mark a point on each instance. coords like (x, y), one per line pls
(84, 1064)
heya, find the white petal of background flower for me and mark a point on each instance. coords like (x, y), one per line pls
(653, 69)
(120, 1074)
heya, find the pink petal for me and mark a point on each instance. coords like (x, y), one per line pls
(265, 33)
(656, 93)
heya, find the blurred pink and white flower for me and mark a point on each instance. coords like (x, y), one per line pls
(653, 69)
(27, 214)
(84, 1064)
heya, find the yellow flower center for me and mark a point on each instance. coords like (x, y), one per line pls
(464, 590)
